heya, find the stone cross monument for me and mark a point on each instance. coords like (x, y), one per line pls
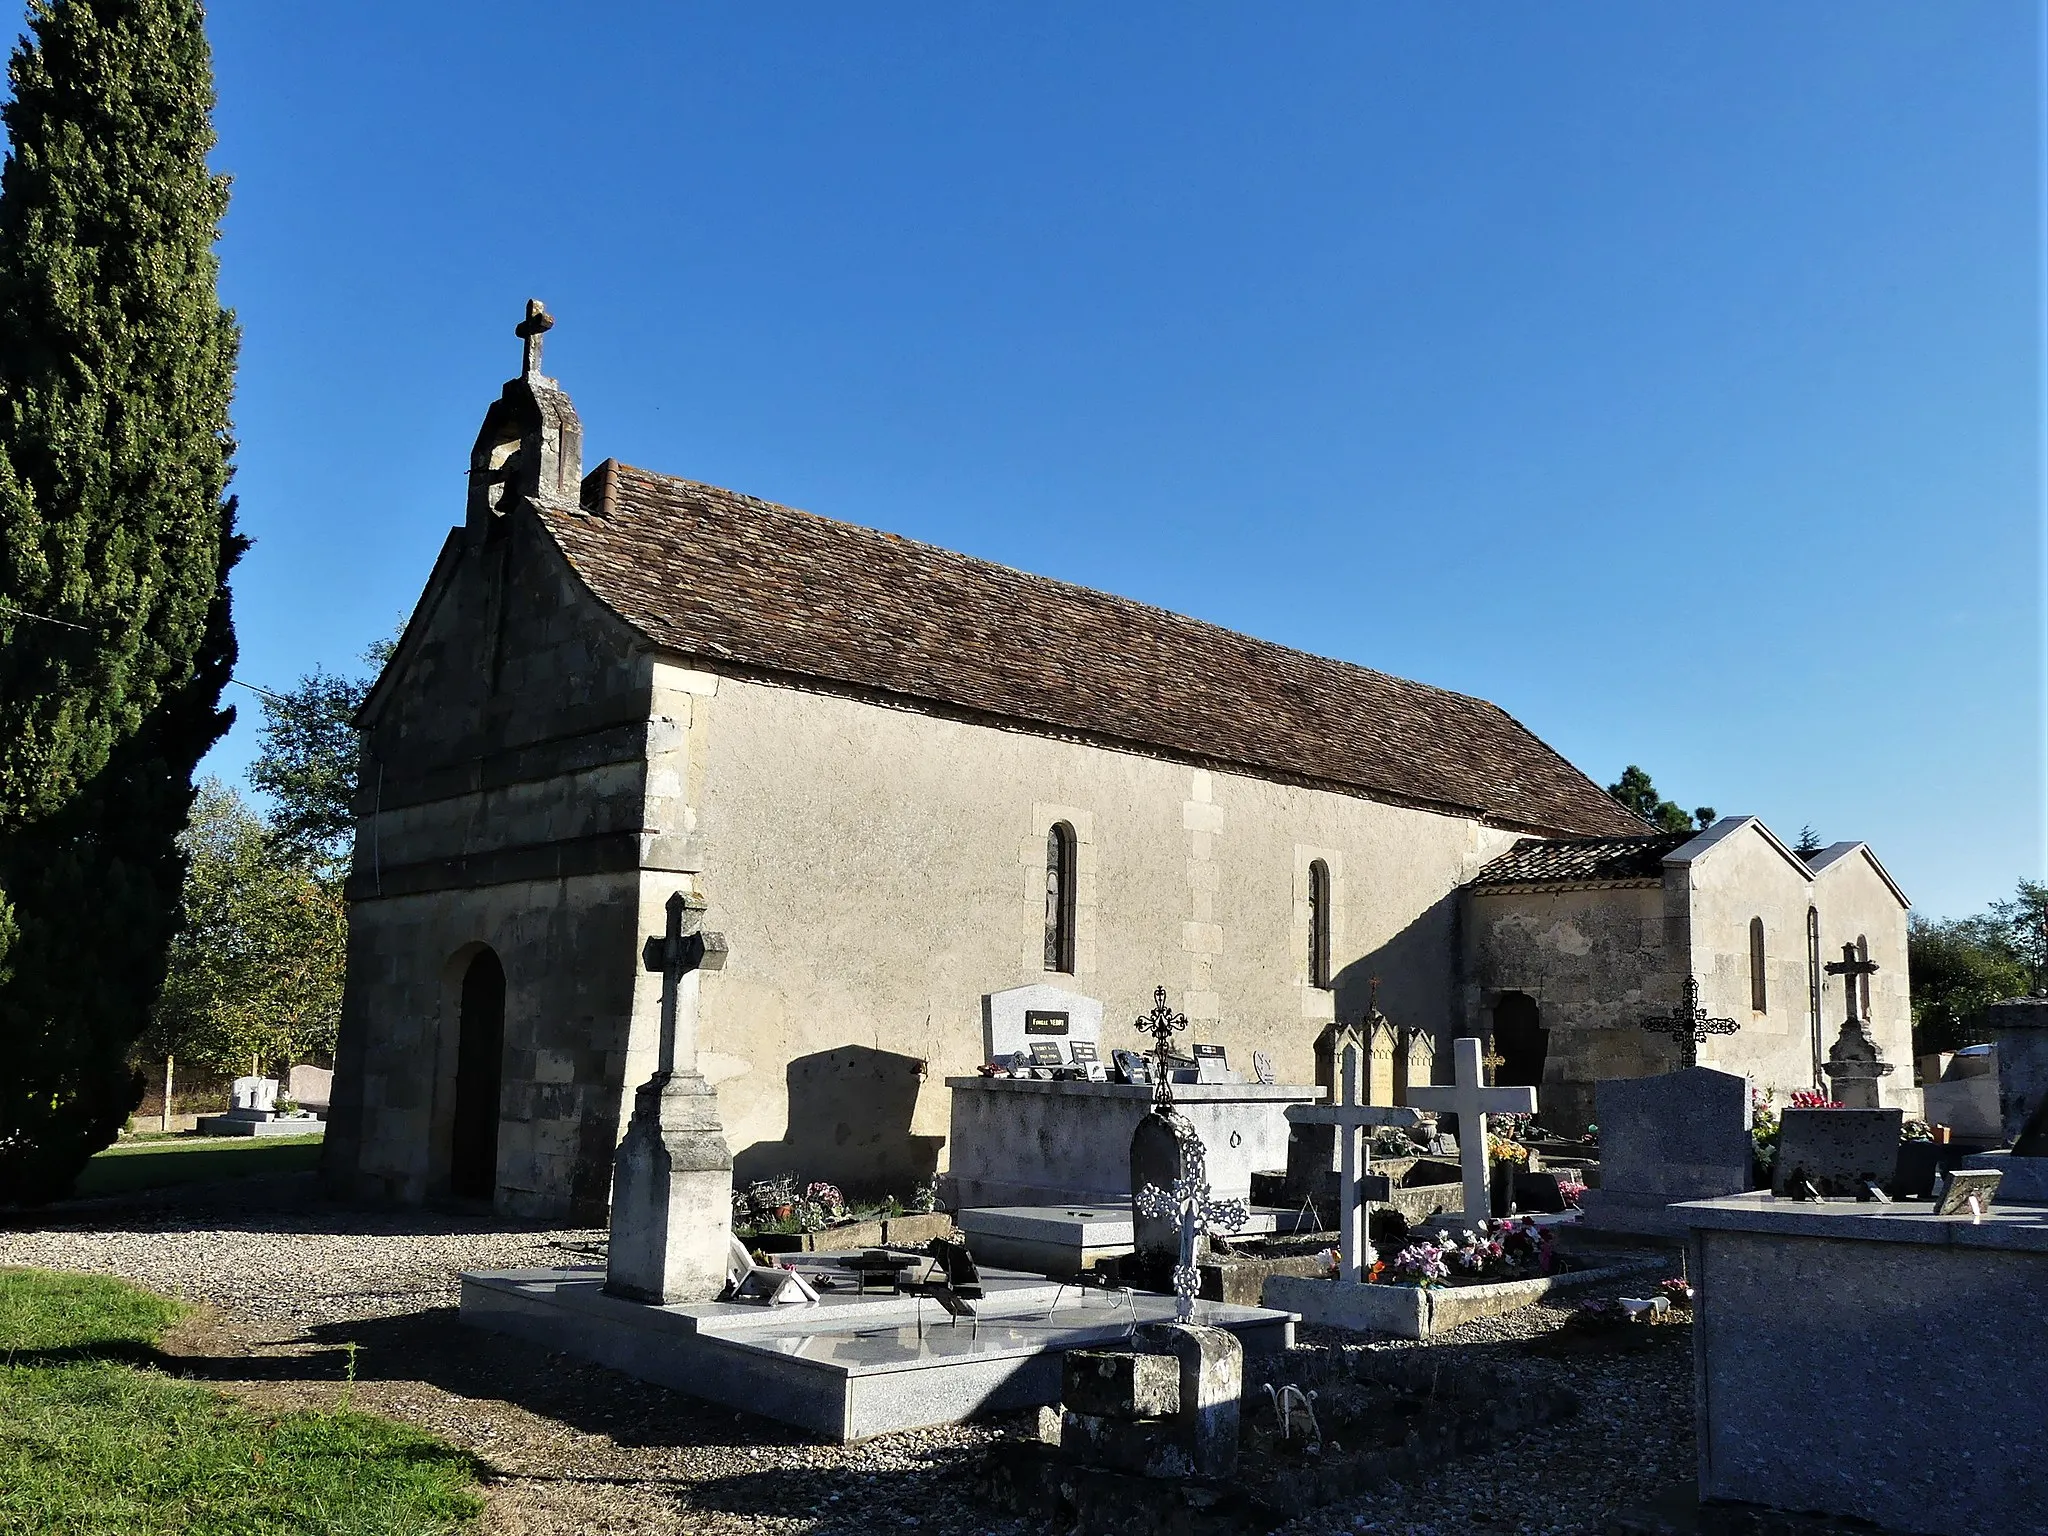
(672, 1178)
(1356, 1183)
(1853, 1067)
(1689, 1025)
(1472, 1101)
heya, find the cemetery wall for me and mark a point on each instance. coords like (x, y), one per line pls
(876, 870)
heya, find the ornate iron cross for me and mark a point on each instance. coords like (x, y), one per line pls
(1162, 1023)
(1689, 1025)
(1189, 1205)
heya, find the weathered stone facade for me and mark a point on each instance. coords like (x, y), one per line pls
(1600, 953)
(620, 686)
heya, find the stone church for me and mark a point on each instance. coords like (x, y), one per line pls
(900, 779)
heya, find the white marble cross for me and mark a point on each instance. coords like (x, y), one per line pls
(1354, 1236)
(1472, 1101)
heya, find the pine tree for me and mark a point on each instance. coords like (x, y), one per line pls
(116, 538)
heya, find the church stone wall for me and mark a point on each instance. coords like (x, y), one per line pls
(1597, 960)
(1742, 876)
(504, 803)
(876, 870)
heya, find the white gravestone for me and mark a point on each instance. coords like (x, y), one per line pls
(1472, 1101)
(254, 1095)
(1354, 1172)
(1018, 1018)
(312, 1087)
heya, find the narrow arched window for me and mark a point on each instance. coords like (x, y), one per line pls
(1059, 898)
(1756, 964)
(1863, 981)
(1318, 924)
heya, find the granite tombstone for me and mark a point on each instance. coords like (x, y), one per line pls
(1839, 1152)
(1677, 1136)
(1018, 1018)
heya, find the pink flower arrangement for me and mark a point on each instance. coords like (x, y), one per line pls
(1808, 1098)
(1570, 1186)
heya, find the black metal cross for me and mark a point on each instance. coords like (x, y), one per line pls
(675, 954)
(538, 323)
(1162, 1023)
(1689, 1025)
(1851, 967)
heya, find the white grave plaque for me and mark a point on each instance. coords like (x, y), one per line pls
(1020, 1017)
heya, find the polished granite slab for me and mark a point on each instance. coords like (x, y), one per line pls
(850, 1366)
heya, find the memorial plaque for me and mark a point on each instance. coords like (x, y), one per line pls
(1132, 1067)
(1045, 1053)
(1965, 1184)
(1212, 1064)
(1262, 1068)
(1082, 1052)
(1037, 1022)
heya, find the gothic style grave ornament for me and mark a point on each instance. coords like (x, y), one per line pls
(672, 1179)
(1162, 1023)
(1471, 1101)
(1853, 1066)
(1357, 1185)
(1188, 1204)
(1689, 1025)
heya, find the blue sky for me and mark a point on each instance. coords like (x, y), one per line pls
(1668, 375)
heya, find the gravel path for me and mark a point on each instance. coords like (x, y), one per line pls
(287, 1281)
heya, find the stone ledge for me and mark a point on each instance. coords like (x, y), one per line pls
(1415, 1312)
(2022, 1228)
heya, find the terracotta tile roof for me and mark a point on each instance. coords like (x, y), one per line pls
(724, 577)
(1582, 860)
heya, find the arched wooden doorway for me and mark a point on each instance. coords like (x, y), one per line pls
(1521, 1041)
(479, 1063)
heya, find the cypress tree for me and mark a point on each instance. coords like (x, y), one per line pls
(116, 539)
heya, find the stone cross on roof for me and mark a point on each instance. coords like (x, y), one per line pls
(1354, 1173)
(1471, 1101)
(538, 323)
(1689, 1025)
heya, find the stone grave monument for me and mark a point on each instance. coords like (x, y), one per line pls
(1678, 1136)
(253, 1111)
(1017, 1018)
(1171, 1204)
(1468, 1097)
(1839, 1153)
(1357, 1185)
(2021, 1027)
(1853, 1067)
(672, 1178)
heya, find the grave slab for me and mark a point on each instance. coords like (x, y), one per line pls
(1892, 1393)
(850, 1366)
(2025, 1181)
(259, 1123)
(1065, 1241)
(1417, 1312)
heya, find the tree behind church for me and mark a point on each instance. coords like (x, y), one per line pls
(116, 537)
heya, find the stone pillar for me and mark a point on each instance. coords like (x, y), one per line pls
(671, 1195)
(1211, 1381)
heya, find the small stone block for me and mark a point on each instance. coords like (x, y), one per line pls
(1117, 1384)
(1146, 1447)
(1211, 1382)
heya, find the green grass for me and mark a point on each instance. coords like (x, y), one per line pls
(154, 1163)
(90, 1444)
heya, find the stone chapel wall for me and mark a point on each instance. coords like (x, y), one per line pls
(877, 869)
